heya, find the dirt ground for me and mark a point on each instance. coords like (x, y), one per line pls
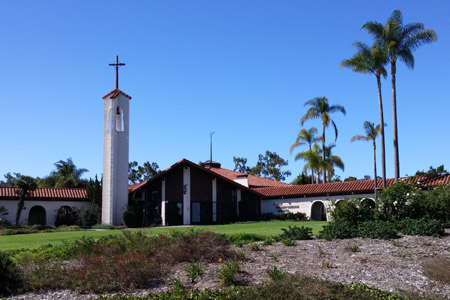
(388, 265)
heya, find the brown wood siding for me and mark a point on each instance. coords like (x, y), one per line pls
(249, 207)
(174, 185)
(201, 186)
(226, 202)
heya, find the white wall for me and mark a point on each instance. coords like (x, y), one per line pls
(51, 208)
(303, 205)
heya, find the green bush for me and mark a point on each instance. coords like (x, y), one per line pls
(296, 233)
(437, 203)
(10, 278)
(338, 230)
(67, 216)
(400, 201)
(426, 227)
(289, 216)
(275, 273)
(244, 238)
(352, 211)
(377, 230)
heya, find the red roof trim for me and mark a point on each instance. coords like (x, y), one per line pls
(115, 93)
(46, 193)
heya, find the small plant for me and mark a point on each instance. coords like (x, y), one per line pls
(326, 264)
(255, 247)
(268, 241)
(354, 248)
(274, 257)
(178, 285)
(240, 256)
(227, 272)
(194, 271)
(401, 254)
(288, 242)
(365, 260)
(426, 243)
(275, 273)
(396, 244)
(321, 252)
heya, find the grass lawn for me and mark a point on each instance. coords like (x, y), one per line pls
(35, 240)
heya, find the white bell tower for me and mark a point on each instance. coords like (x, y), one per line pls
(116, 114)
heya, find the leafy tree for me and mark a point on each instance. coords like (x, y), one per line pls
(372, 132)
(320, 108)
(433, 171)
(137, 173)
(399, 41)
(305, 137)
(301, 179)
(10, 179)
(240, 164)
(94, 192)
(25, 185)
(269, 166)
(372, 60)
(350, 178)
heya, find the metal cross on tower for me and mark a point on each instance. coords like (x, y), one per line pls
(117, 65)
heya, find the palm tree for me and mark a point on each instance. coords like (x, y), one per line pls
(372, 60)
(313, 160)
(399, 41)
(24, 184)
(332, 161)
(67, 174)
(320, 108)
(371, 135)
(305, 137)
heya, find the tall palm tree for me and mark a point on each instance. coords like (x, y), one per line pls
(372, 132)
(372, 60)
(305, 137)
(400, 41)
(320, 108)
(313, 160)
(24, 184)
(332, 161)
(67, 174)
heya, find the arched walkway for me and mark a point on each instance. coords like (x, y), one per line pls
(318, 211)
(37, 216)
(369, 202)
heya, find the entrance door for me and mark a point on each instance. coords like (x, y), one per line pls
(37, 216)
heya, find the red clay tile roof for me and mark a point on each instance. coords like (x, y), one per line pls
(133, 187)
(46, 193)
(253, 181)
(343, 188)
(114, 93)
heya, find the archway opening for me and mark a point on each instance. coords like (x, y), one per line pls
(37, 216)
(368, 202)
(318, 211)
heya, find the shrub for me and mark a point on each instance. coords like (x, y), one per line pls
(338, 230)
(67, 216)
(90, 216)
(352, 211)
(377, 230)
(255, 247)
(288, 242)
(296, 233)
(103, 226)
(437, 203)
(227, 272)
(399, 201)
(421, 227)
(275, 273)
(298, 216)
(10, 278)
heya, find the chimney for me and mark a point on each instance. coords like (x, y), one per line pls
(242, 179)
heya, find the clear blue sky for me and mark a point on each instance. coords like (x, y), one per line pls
(242, 69)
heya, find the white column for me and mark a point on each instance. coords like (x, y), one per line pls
(163, 202)
(186, 196)
(214, 200)
(239, 198)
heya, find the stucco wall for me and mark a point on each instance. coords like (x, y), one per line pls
(51, 208)
(303, 205)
